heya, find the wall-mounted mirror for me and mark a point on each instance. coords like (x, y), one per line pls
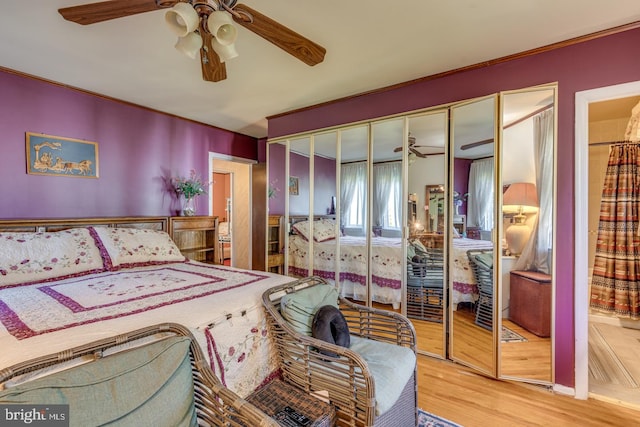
(425, 275)
(527, 166)
(472, 257)
(299, 192)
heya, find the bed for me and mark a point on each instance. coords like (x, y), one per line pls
(463, 281)
(386, 262)
(67, 282)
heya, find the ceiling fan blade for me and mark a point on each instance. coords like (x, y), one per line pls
(417, 153)
(288, 40)
(476, 144)
(91, 13)
(397, 149)
(212, 69)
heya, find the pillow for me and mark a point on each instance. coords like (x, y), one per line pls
(39, 257)
(420, 249)
(299, 307)
(134, 247)
(302, 228)
(134, 387)
(330, 325)
(324, 230)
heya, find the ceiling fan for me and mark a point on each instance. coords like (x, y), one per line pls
(413, 146)
(211, 36)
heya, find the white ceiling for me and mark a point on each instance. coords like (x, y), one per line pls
(370, 45)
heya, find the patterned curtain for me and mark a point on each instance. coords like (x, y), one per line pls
(616, 269)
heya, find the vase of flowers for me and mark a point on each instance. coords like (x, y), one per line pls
(189, 188)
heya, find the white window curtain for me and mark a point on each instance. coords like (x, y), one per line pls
(353, 182)
(480, 210)
(386, 187)
(535, 255)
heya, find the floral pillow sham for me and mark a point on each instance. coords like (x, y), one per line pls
(133, 247)
(38, 257)
(323, 230)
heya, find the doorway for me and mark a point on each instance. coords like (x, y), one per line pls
(604, 344)
(237, 210)
(222, 203)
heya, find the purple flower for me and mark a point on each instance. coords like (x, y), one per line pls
(242, 357)
(54, 260)
(26, 261)
(232, 351)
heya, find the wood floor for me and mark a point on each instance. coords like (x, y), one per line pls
(456, 393)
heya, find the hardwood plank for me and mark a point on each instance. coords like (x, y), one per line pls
(460, 395)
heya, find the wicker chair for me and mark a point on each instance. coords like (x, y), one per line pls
(346, 377)
(215, 405)
(425, 286)
(481, 261)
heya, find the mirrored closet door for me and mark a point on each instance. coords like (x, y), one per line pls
(425, 272)
(527, 221)
(473, 255)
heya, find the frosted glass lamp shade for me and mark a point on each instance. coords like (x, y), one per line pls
(190, 44)
(225, 52)
(182, 19)
(221, 26)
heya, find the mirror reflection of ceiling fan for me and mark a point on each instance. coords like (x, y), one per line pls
(413, 148)
(204, 26)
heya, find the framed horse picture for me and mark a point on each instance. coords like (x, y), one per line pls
(55, 155)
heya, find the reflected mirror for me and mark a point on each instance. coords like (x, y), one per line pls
(527, 170)
(387, 204)
(353, 216)
(425, 273)
(473, 215)
(298, 188)
(325, 228)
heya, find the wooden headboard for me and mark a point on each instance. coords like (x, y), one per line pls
(57, 224)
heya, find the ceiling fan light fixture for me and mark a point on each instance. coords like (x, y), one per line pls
(221, 26)
(190, 44)
(182, 19)
(225, 52)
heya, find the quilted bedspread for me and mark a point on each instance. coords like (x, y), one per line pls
(220, 305)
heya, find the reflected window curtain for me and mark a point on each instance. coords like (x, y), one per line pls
(480, 209)
(535, 255)
(353, 180)
(616, 267)
(386, 183)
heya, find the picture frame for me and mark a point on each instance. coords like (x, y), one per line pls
(60, 156)
(293, 185)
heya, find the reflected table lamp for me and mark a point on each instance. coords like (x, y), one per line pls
(520, 198)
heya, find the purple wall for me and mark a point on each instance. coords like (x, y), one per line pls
(139, 150)
(597, 63)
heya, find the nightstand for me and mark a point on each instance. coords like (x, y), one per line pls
(196, 237)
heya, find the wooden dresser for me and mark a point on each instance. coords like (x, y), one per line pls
(530, 302)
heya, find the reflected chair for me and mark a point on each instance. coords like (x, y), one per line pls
(425, 286)
(370, 383)
(156, 375)
(481, 262)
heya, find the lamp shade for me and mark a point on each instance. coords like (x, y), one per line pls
(190, 44)
(225, 52)
(182, 19)
(520, 197)
(221, 26)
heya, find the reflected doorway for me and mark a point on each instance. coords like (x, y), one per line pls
(221, 208)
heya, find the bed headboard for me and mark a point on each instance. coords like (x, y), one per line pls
(57, 224)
